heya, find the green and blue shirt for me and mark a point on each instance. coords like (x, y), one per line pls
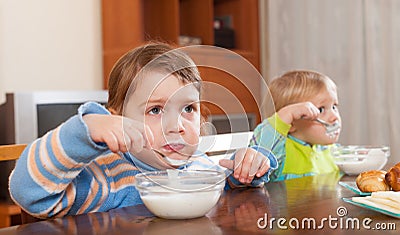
(296, 158)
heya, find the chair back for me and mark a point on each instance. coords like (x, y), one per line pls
(11, 151)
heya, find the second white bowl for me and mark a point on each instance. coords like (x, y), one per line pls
(353, 159)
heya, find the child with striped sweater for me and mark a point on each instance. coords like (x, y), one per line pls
(89, 163)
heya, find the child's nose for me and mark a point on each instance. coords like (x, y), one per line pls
(333, 116)
(174, 124)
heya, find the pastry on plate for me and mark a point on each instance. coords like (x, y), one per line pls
(393, 177)
(372, 181)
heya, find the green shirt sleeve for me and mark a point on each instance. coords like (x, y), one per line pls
(271, 134)
(279, 125)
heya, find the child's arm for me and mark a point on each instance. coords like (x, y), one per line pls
(251, 166)
(304, 110)
(52, 176)
(120, 134)
(271, 134)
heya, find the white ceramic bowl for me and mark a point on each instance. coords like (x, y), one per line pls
(176, 194)
(353, 159)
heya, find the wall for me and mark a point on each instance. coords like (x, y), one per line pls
(50, 45)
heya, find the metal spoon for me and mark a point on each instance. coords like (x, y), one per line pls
(174, 162)
(330, 128)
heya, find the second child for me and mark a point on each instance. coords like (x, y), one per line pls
(292, 133)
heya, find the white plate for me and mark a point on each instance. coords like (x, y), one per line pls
(349, 200)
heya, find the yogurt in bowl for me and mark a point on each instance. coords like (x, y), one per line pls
(354, 159)
(177, 194)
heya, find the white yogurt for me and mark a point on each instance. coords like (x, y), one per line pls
(181, 205)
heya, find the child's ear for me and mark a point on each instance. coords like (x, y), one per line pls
(112, 111)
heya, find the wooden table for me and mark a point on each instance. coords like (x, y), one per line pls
(242, 211)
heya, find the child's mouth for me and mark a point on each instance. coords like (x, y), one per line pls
(174, 147)
(334, 134)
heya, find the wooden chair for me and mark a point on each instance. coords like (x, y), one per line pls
(11, 152)
(9, 209)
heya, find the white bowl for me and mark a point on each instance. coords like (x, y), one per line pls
(177, 194)
(353, 159)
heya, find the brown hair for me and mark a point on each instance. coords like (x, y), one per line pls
(159, 56)
(296, 86)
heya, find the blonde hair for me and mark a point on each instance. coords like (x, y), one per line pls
(295, 86)
(163, 57)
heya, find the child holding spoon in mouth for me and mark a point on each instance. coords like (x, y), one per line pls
(292, 133)
(89, 163)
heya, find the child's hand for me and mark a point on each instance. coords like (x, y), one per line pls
(304, 110)
(247, 164)
(119, 133)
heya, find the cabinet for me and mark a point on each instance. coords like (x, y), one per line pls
(129, 23)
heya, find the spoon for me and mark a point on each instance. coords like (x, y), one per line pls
(174, 162)
(330, 128)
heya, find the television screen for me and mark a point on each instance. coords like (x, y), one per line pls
(49, 116)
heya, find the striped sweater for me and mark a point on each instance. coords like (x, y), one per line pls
(66, 173)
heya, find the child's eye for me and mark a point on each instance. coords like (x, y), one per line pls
(321, 109)
(335, 107)
(188, 109)
(155, 110)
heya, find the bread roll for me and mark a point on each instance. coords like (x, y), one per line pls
(372, 181)
(393, 177)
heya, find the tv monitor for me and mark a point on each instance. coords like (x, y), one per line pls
(25, 116)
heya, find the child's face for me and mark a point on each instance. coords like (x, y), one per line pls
(313, 132)
(171, 110)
